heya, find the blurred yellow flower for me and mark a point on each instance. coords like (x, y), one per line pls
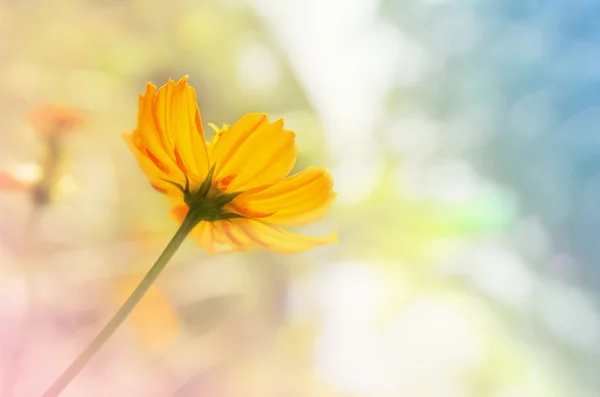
(53, 119)
(238, 181)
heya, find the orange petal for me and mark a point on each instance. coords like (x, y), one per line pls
(297, 200)
(177, 120)
(178, 212)
(150, 140)
(249, 235)
(153, 173)
(257, 152)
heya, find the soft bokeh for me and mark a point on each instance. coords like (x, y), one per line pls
(464, 137)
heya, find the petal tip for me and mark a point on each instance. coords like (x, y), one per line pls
(182, 83)
(170, 84)
(261, 117)
(150, 89)
(127, 137)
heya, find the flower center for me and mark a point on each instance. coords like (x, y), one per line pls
(208, 207)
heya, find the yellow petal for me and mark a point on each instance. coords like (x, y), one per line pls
(274, 239)
(253, 152)
(297, 200)
(178, 122)
(210, 236)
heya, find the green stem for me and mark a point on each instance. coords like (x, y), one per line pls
(76, 366)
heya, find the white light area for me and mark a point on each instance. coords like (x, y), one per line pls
(416, 61)
(426, 348)
(470, 127)
(348, 92)
(456, 32)
(533, 114)
(408, 178)
(570, 315)
(324, 16)
(532, 238)
(500, 273)
(414, 134)
(349, 293)
(453, 181)
(446, 388)
(257, 67)
(429, 344)
(298, 303)
(351, 361)
(27, 173)
(346, 60)
(355, 179)
(520, 391)
(447, 181)
(447, 247)
(512, 392)
(348, 351)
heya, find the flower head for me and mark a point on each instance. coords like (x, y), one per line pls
(238, 183)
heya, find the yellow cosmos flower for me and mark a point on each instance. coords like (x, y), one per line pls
(232, 194)
(238, 184)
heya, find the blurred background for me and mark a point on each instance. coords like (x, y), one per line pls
(464, 137)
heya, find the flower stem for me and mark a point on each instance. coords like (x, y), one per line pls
(76, 366)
